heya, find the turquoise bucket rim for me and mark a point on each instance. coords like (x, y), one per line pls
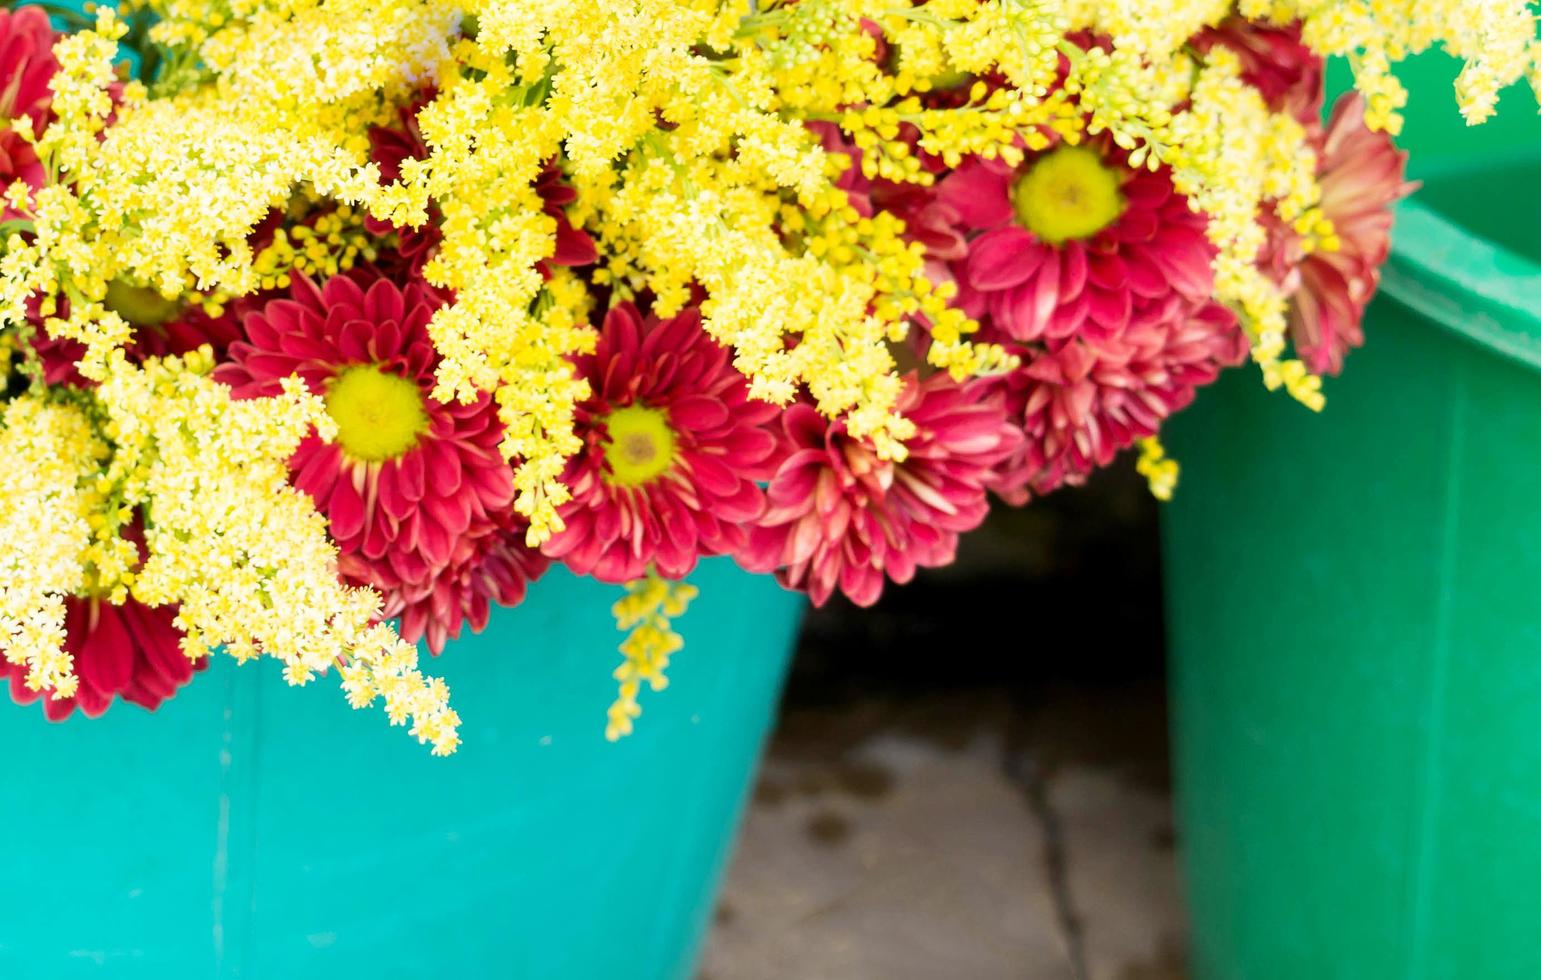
(1475, 288)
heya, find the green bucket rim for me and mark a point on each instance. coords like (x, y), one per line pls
(1478, 290)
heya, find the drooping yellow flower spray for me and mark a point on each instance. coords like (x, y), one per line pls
(646, 611)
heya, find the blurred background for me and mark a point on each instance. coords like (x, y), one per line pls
(950, 794)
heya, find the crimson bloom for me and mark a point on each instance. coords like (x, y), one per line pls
(493, 566)
(673, 447)
(1071, 241)
(1081, 400)
(1098, 276)
(125, 650)
(1275, 61)
(1361, 174)
(132, 651)
(161, 328)
(842, 518)
(411, 484)
(26, 65)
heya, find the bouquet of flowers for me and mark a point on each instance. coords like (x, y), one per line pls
(330, 323)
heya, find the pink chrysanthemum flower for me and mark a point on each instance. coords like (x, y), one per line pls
(26, 65)
(1081, 400)
(129, 651)
(673, 447)
(1361, 174)
(391, 146)
(841, 518)
(1072, 240)
(409, 479)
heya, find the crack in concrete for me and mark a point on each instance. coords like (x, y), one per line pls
(1024, 772)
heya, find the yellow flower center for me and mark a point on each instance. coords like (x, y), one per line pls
(640, 447)
(1068, 194)
(379, 415)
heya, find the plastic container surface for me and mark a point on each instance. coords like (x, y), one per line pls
(250, 829)
(1355, 607)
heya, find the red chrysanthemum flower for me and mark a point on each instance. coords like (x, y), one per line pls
(130, 651)
(127, 650)
(26, 65)
(1276, 62)
(161, 328)
(492, 567)
(927, 218)
(410, 481)
(1072, 240)
(391, 146)
(673, 447)
(841, 518)
(1083, 399)
(189, 330)
(1361, 174)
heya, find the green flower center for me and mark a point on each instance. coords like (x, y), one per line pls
(140, 305)
(640, 447)
(1068, 194)
(379, 415)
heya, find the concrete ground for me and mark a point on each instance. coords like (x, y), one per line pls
(970, 779)
(958, 837)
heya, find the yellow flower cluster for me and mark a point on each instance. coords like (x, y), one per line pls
(1495, 38)
(168, 197)
(332, 241)
(51, 453)
(1233, 157)
(680, 123)
(245, 554)
(646, 610)
(682, 164)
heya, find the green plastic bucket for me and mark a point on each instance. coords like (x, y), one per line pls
(249, 829)
(1355, 608)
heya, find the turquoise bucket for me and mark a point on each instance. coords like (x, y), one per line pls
(250, 829)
